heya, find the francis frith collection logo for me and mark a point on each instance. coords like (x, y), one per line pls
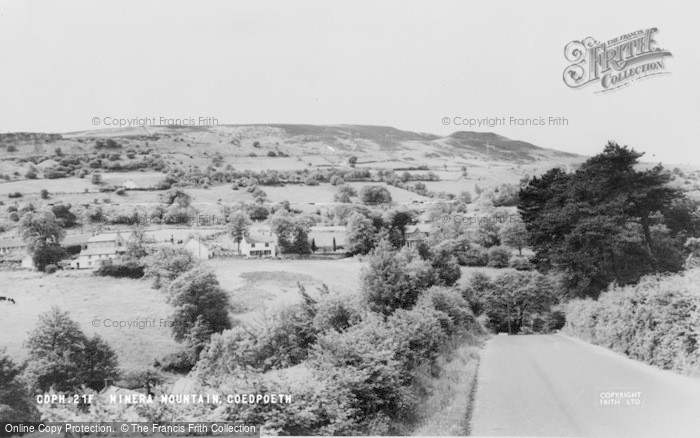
(614, 63)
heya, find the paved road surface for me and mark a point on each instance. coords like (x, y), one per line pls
(552, 385)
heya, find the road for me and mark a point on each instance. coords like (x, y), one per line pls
(553, 385)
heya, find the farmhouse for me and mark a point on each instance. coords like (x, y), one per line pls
(199, 249)
(328, 238)
(259, 244)
(416, 234)
(99, 248)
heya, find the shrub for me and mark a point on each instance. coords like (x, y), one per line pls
(475, 256)
(14, 195)
(450, 302)
(337, 312)
(120, 191)
(656, 321)
(286, 337)
(499, 257)
(30, 175)
(129, 269)
(44, 194)
(521, 263)
(50, 269)
(55, 174)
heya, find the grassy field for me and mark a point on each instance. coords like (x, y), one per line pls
(255, 286)
(88, 299)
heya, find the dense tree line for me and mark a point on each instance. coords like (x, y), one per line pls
(607, 221)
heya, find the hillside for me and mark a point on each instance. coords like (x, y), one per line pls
(332, 144)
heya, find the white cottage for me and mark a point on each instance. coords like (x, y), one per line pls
(99, 248)
(260, 244)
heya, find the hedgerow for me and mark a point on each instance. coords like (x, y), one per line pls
(656, 321)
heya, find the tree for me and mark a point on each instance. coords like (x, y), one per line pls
(239, 227)
(166, 263)
(96, 178)
(374, 195)
(398, 221)
(465, 197)
(48, 255)
(514, 234)
(352, 161)
(135, 246)
(63, 214)
(361, 234)
(197, 294)
(515, 298)
(44, 194)
(344, 193)
(40, 229)
(595, 224)
(16, 403)
(61, 356)
(176, 197)
(393, 280)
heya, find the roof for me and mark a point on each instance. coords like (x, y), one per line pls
(12, 243)
(76, 239)
(98, 251)
(107, 237)
(260, 238)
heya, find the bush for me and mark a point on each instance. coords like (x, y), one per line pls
(475, 256)
(521, 263)
(120, 191)
(44, 194)
(337, 312)
(499, 257)
(50, 269)
(656, 321)
(450, 302)
(55, 174)
(30, 175)
(14, 195)
(129, 269)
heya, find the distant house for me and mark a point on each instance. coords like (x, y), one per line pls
(199, 249)
(130, 185)
(8, 246)
(329, 238)
(99, 248)
(416, 234)
(259, 244)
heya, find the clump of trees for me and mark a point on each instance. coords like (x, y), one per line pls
(607, 221)
(62, 357)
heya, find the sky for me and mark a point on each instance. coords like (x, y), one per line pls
(406, 64)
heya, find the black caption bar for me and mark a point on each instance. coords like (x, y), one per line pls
(128, 429)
